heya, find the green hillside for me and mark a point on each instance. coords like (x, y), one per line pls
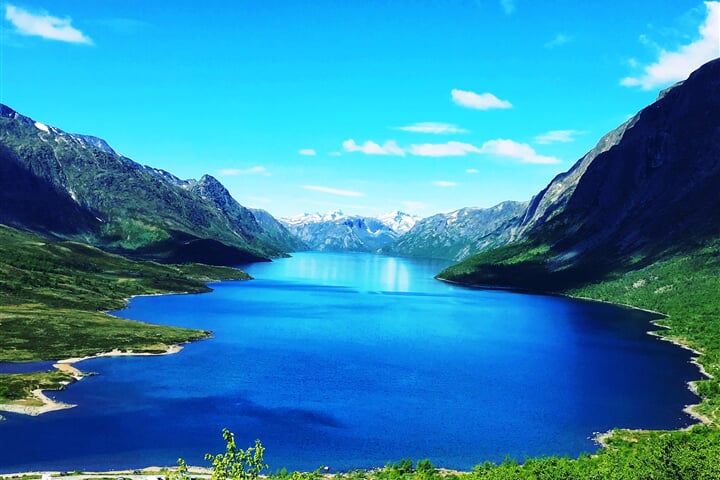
(61, 185)
(53, 295)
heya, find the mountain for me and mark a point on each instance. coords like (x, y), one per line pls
(305, 218)
(647, 192)
(459, 234)
(77, 187)
(276, 233)
(398, 221)
(338, 232)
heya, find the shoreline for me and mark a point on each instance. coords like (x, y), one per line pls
(68, 366)
(152, 471)
(48, 405)
(691, 384)
(600, 438)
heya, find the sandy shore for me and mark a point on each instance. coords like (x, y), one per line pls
(146, 473)
(692, 385)
(67, 366)
(48, 405)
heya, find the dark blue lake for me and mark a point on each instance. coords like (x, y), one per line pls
(353, 360)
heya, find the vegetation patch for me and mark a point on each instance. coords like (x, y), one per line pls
(53, 296)
(691, 454)
(15, 388)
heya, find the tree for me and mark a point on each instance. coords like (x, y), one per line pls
(234, 464)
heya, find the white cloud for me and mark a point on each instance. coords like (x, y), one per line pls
(478, 101)
(307, 152)
(372, 148)
(44, 25)
(521, 151)
(333, 191)
(508, 6)
(559, 40)
(675, 66)
(557, 136)
(444, 183)
(433, 127)
(499, 147)
(245, 171)
(472, 171)
(449, 149)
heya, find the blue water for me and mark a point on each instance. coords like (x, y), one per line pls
(353, 360)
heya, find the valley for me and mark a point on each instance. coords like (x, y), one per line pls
(633, 222)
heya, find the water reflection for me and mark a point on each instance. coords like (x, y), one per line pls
(363, 272)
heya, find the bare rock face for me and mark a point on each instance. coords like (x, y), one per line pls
(649, 191)
(658, 185)
(553, 198)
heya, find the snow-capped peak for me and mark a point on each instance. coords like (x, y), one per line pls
(334, 215)
(307, 218)
(398, 221)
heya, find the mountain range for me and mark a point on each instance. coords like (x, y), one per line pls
(76, 187)
(459, 234)
(336, 231)
(644, 189)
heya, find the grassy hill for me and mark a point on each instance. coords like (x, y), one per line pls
(53, 296)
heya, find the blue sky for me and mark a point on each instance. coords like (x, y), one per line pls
(366, 106)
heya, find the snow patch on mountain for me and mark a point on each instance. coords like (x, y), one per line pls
(337, 231)
(42, 126)
(398, 221)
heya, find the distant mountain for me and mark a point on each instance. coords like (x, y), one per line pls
(77, 187)
(459, 234)
(647, 191)
(398, 221)
(276, 233)
(338, 232)
(306, 218)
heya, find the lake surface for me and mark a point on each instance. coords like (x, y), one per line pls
(353, 360)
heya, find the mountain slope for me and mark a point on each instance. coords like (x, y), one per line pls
(459, 234)
(641, 227)
(113, 202)
(52, 295)
(649, 193)
(276, 233)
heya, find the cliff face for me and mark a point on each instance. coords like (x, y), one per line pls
(657, 187)
(554, 198)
